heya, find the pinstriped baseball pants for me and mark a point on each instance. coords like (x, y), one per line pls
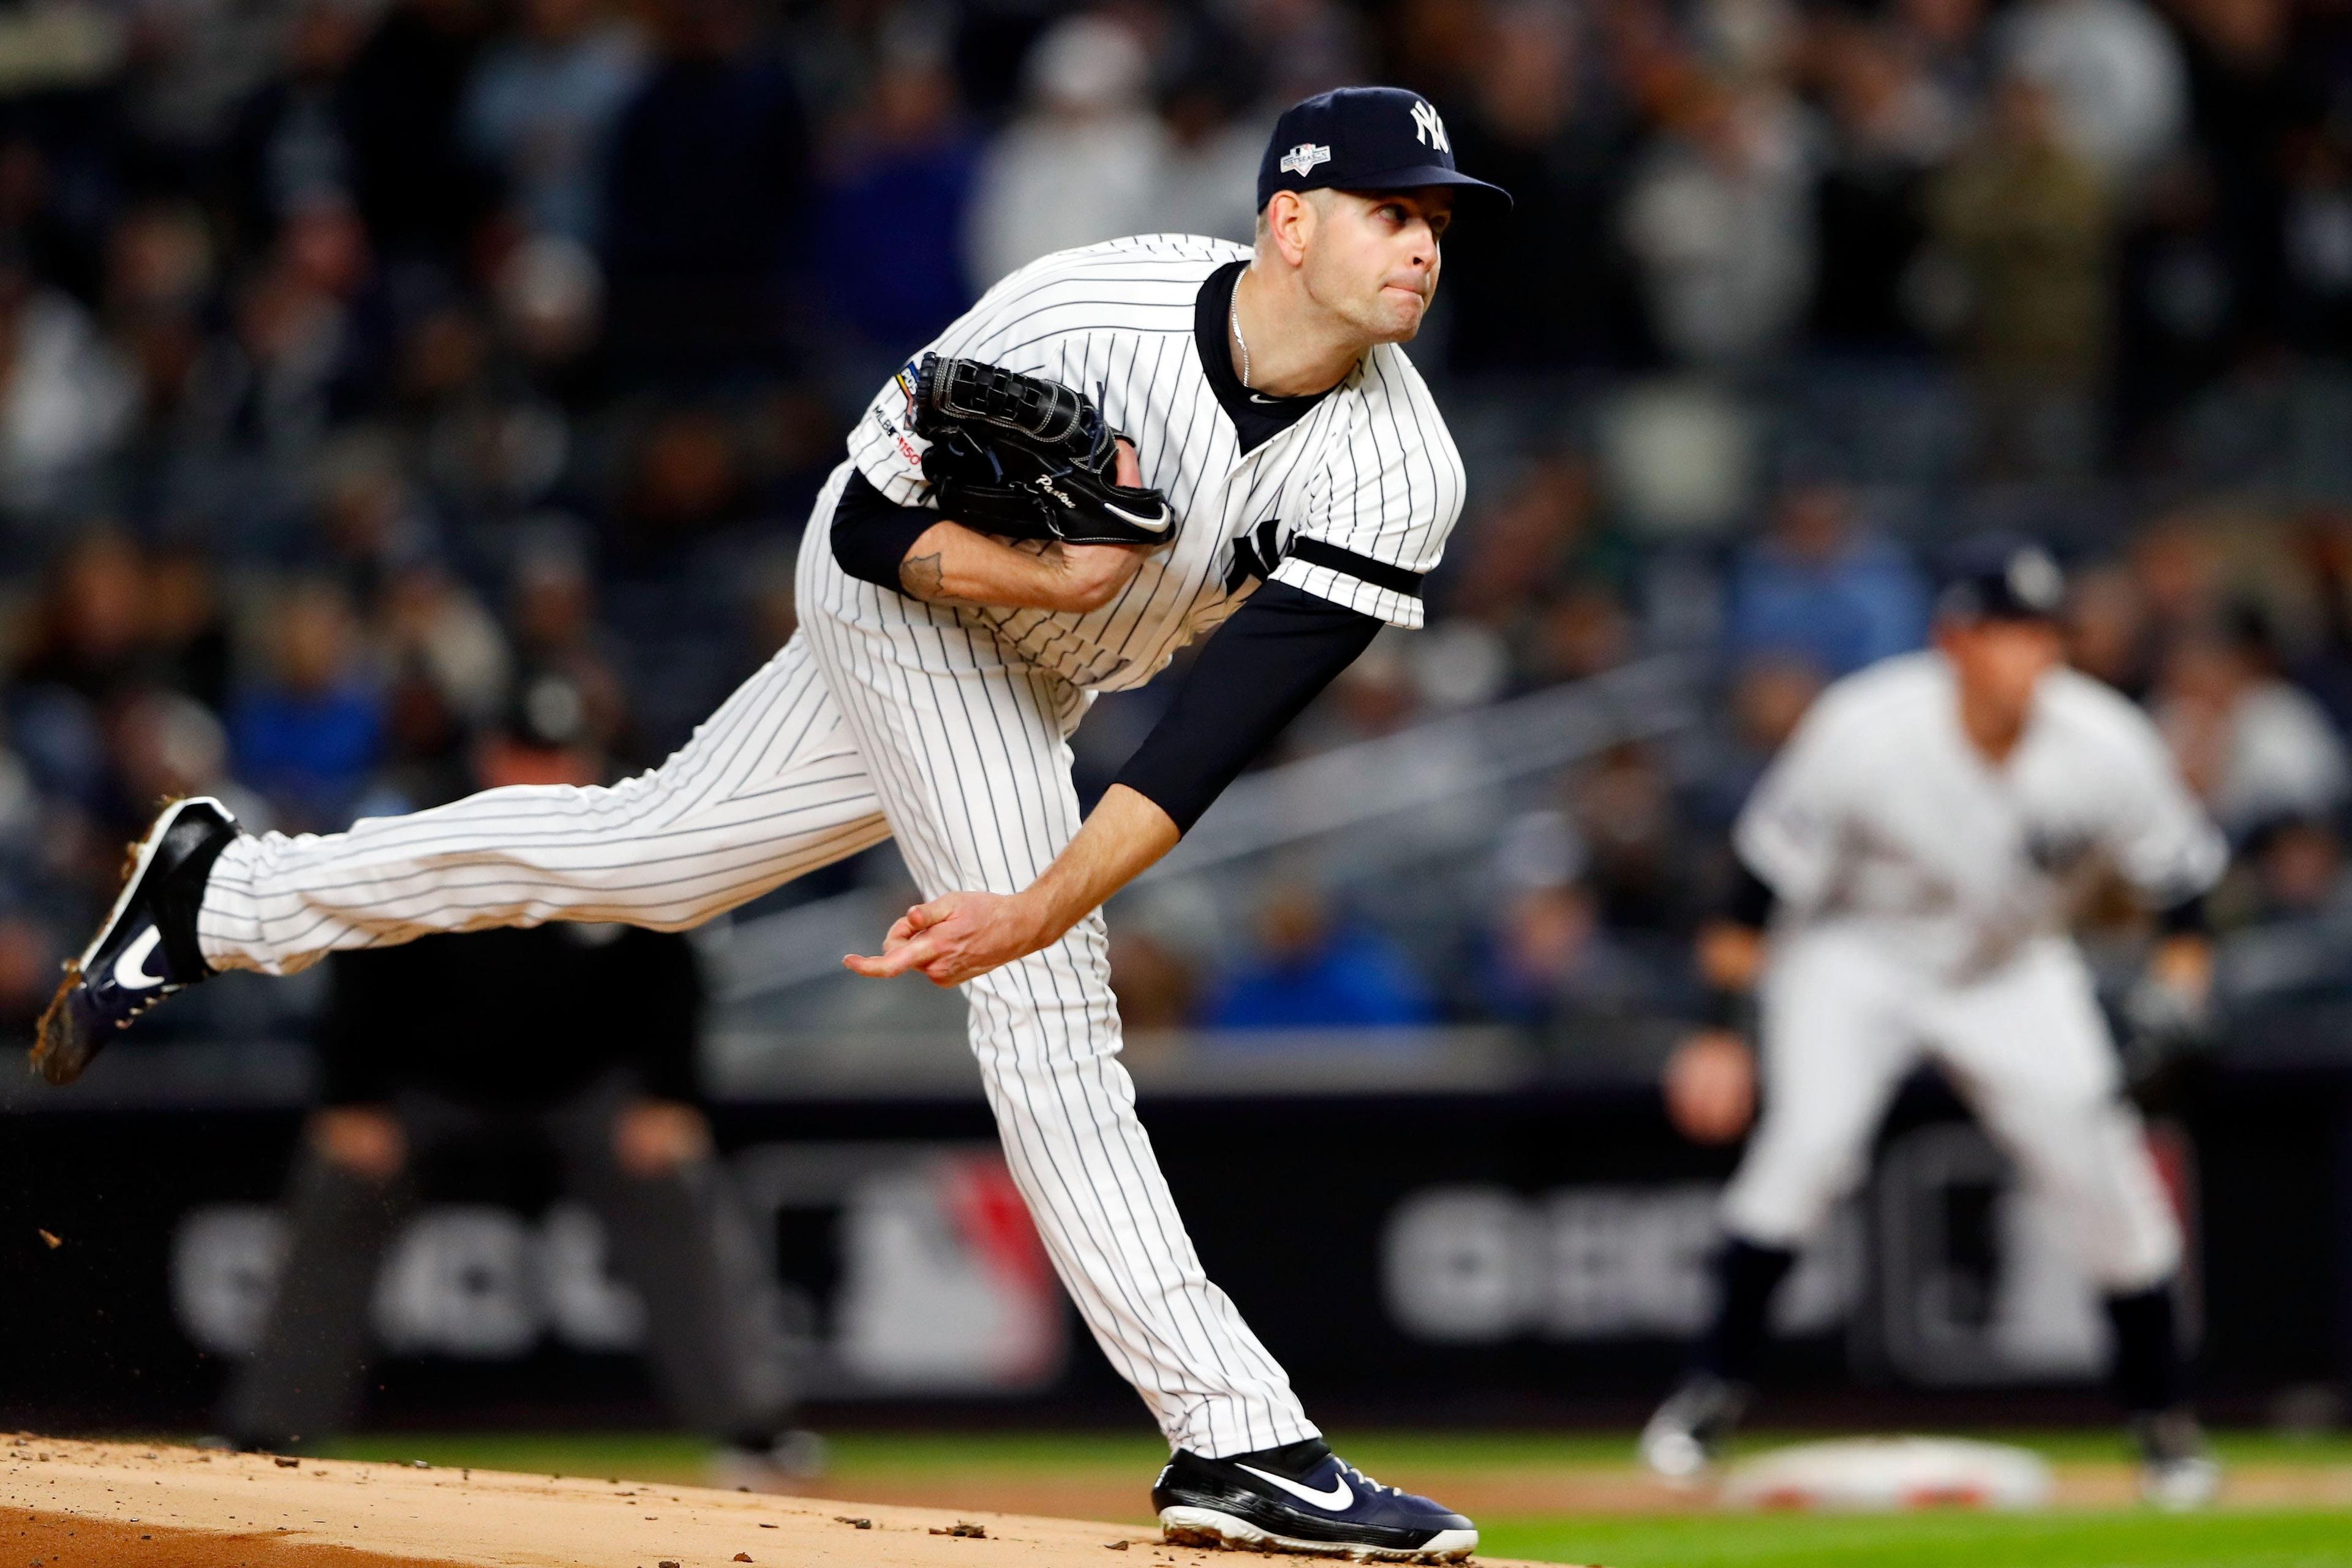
(882, 718)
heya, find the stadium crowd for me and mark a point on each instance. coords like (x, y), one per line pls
(359, 360)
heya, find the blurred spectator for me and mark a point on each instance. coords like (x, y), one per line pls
(1543, 289)
(1312, 969)
(90, 632)
(1822, 588)
(2176, 570)
(1296, 48)
(166, 745)
(419, 193)
(1719, 219)
(1545, 957)
(2108, 634)
(1640, 866)
(2299, 871)
(1585, 631)
(2114, 74)
(424, 761)
(897, 194)
(1156, 989)
(2324, 549)
(539, 111)
(290, 146)
(1769, 697)
(2254, 748)
(432, 622)
(1208, 166)
(2186, 303)
(1891, 125)
(307, 734)
(1551, 960)
(553, 610)
(66, 397)
(369, 522)
(1948, 38)
(1375, 696)
(2246, 99)
(2316, 241)
(322, 285)
(1080, 162)
(1546, 536)
(550, 294)
(309, 330)
(2023, 225)
(2289, 916)
(706, 211)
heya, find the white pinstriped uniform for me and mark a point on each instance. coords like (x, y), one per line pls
(1924, 898)
(947, 727)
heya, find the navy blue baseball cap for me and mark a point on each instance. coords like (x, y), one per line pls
(1363, 139)
(2002, 579)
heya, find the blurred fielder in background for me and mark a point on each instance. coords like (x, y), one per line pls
(1915, 851)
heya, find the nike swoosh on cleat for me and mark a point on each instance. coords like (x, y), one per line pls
(131, 967)
(1331, 1501)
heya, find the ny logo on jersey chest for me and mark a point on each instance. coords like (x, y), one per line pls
(1255, 555)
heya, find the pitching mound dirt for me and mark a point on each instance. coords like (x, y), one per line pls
(111, 1505)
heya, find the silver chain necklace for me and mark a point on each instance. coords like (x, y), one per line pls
(1234, 319)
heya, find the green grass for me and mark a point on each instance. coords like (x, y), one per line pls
(2245, 1537)
(1933, 1540)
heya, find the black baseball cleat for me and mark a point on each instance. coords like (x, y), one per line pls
(146, 948)
(2178, 1471)
(1688, 1433)
(1303, 1498)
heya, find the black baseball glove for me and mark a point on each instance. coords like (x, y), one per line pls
(1028, 458)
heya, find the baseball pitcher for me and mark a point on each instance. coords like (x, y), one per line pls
(1116, 451)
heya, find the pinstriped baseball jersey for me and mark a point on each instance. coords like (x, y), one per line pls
(1880, 814)
(946, 728)
(1371, 471)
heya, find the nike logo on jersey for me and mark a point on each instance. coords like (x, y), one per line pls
(1331, 1501)
(131, 967)
(1262, 397)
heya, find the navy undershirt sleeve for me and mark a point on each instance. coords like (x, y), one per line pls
(2190, 917)
(1254, 675)
(871, 533)
(1749, 901)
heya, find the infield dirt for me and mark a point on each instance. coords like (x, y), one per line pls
(111, 1505)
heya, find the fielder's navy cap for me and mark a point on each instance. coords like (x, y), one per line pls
(2004, 580)
(1362, 138)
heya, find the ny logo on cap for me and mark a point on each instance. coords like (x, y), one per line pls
(1300, 160)
(1428, 128)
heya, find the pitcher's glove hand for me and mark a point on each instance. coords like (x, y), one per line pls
(1028, 458)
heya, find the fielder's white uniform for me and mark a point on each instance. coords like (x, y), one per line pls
(947, 727)
(1922, 899)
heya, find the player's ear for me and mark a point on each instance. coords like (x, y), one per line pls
(1289, 223)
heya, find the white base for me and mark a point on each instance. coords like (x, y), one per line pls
(1205, 1526)
(1891, 1474)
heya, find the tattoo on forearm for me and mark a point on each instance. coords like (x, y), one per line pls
(923, 576)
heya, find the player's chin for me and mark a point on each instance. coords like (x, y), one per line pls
(1399, 314)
